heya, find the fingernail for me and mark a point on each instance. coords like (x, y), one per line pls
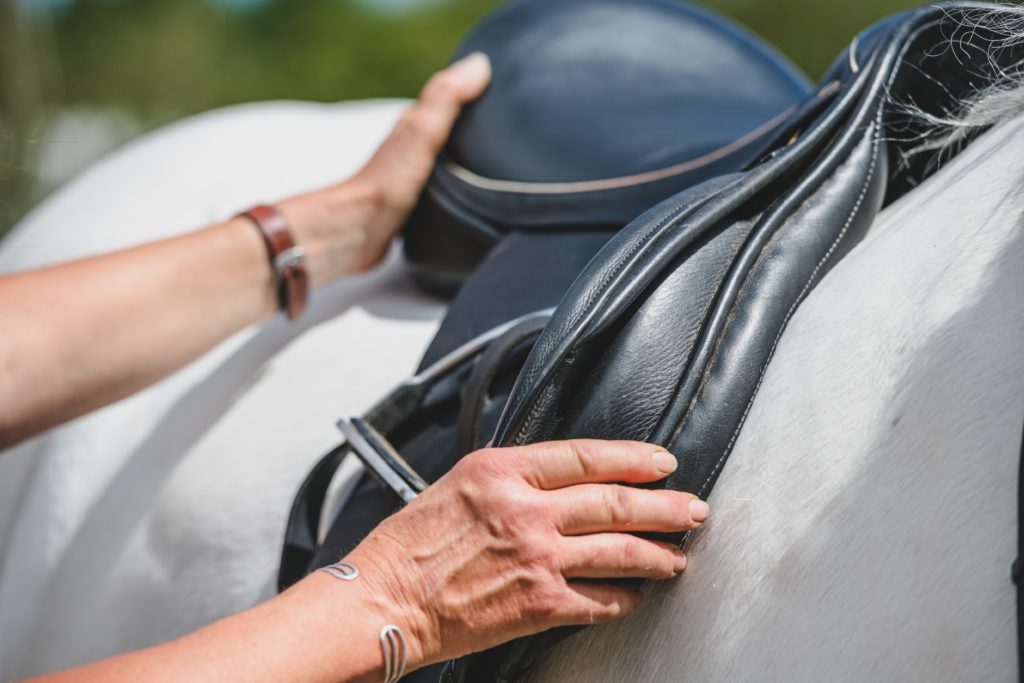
(475, 66)
(680, 564)
(698, 510)
(664, 461)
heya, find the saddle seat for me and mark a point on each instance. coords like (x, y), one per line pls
(597, 110)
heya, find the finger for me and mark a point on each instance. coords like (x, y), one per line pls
(613, 556)
(598, 603)
(594, 508)
(423, 129)
(449, 90)
(556, 464)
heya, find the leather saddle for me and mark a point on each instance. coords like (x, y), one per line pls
(636, 237)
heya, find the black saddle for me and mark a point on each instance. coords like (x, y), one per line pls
(663, 332)
(597, 110)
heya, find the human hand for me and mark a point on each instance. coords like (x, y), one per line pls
(493, 550)
(346, 228)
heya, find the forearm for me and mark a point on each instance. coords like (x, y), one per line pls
(81, 335)
(321, 630)
(78, 336)
(510, 542)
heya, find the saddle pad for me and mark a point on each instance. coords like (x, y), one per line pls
(597, 110)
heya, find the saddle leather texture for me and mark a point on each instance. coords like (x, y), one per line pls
(666, 333)
(597, 110)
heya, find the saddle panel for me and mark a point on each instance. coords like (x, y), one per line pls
(625, 400)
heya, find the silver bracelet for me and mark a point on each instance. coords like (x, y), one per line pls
(392, 642)
(346, 571)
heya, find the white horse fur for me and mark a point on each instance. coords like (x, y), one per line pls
(865, 524)
(863, 528)
(156, 515)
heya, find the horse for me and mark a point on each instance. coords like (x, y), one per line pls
(863, 527)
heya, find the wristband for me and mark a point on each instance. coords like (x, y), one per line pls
(287, 259)
(392, 640)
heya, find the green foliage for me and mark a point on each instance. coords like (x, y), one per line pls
(164, 59)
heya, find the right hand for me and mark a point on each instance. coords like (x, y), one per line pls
(493, 550)
(346, 228)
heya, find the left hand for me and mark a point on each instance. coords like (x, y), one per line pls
(346, 228)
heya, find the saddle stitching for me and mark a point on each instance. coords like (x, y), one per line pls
(647, 238)
(877, 125)
(705, 371)
(803, 293)
(621, 182)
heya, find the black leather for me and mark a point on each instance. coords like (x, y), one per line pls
(666, 333)
(597, 110)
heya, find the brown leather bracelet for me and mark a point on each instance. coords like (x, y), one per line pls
(287, 259)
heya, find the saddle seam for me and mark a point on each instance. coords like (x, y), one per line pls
(649, 237)
(877, 125)
(582, 186)
(803, 293)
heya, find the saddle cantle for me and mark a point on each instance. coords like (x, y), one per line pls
(597, 110)
(666, 333)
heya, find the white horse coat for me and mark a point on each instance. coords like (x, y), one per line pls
(865, 524)
(863, 527)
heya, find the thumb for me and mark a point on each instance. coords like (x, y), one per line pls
(408, 154)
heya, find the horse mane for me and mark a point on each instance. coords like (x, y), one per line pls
(997, 102)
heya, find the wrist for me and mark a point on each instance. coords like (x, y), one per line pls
(391, 592)
(339, 227)
(347, 617)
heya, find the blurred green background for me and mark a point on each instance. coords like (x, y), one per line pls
(80, 77)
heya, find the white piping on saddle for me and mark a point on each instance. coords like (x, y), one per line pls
(525, 187)
(852, 51)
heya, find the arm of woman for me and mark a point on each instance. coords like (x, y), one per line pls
(493, 551)
(81, 335)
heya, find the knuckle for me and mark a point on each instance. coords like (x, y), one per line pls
(625, 603)
(441, 86)
(407, 121)
(512, 512)
(631, 554)
(665, 564)
(679, 504)
(620, 504)
(414, 122)
(472, 463)
(585, 457)
(547, 602)
(483, 465)
(672, 509)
